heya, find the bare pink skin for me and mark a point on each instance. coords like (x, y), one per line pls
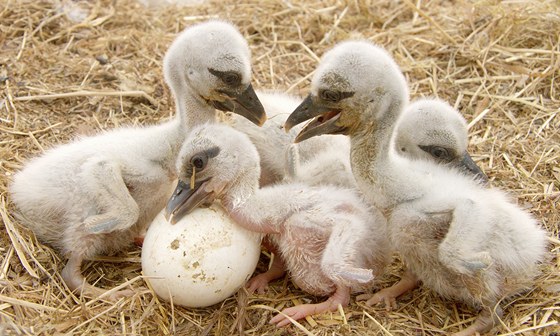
(259, 283)
(340, 297)
(389, 295)
(485, 319)
(302, 246)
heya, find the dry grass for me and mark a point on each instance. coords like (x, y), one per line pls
(496, 61)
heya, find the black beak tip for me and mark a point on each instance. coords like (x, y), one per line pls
(300, 114)
(248, 105)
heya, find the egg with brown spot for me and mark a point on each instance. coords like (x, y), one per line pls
(200, 261)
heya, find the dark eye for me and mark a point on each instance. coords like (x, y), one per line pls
(331, 96)
(232, 79)
(439, 152)
(199, 162)
(334, 96)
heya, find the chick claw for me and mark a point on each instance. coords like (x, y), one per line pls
(340, 297)
(116, 296)
(389, 295)
(258, 283)
(386, 295)
(296, 313)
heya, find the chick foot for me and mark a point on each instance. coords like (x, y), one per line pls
(340, 297)
(389, 295)
(72, 276)
(259, 283)
(483, 323)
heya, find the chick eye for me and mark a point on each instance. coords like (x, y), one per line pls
(334, 96)
(198, 162)
(439, 152)
(331, 96)
(232, 79)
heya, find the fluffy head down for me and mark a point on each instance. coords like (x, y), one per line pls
(208, 56)
(356, 86)
(431, 128)
(224, 153)
(340, 75)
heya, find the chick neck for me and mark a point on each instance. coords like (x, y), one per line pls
(192, 110)
(378, 169)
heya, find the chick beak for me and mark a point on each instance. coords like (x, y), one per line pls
(184, 200)
(246, 104)
(468, 164)
(324, 122)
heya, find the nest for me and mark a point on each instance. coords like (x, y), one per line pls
(75, 68)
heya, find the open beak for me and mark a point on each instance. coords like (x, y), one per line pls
(246, 104)
(469, 165)
(185, 200)
(324, 122)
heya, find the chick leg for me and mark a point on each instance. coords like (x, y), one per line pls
(389, 295)
(340, 297)
(339, 256)
(72, 276)
(485, 321)
(260, 282)
(117, 210)
(114, 210)
(460, 250)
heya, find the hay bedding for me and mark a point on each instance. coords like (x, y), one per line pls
(74, 73)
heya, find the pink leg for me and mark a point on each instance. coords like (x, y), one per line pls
(485, 321)
(260, 282)
(74, 279)
(389, 295)
(341, 296)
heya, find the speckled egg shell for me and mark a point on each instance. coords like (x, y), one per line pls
(201, 260)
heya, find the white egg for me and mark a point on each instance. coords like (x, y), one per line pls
(201, 260)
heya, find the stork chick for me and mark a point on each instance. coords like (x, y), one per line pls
(327, 238)
(460, 238)
(95, 195)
